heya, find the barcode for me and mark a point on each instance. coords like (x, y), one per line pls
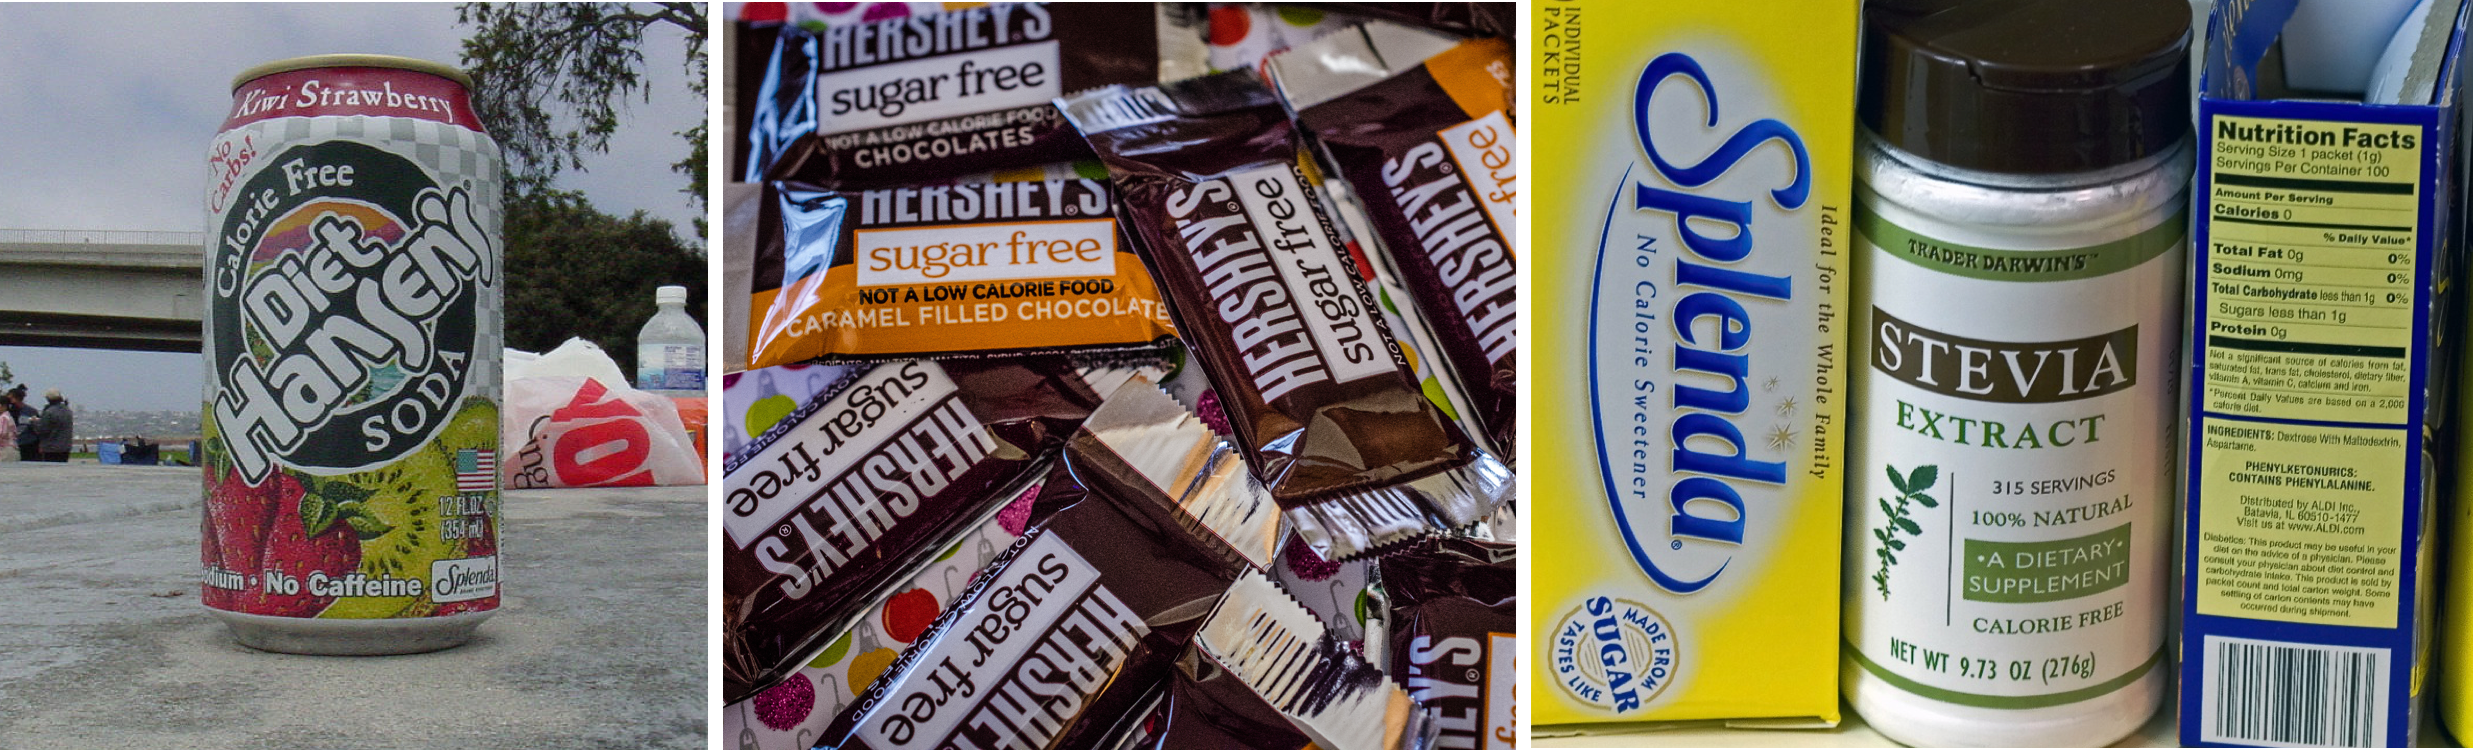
(2295, 695)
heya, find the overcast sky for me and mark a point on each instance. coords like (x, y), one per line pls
(106, 110)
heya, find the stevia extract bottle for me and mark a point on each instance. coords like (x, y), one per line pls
(2020, 216)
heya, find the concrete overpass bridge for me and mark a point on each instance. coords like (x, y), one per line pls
(101, 289)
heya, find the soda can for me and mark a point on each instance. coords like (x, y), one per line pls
(352, 347)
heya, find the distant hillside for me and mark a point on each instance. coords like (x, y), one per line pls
(161, 426)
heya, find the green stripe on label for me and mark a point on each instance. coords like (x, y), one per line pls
(2020, 572)
(2003, 701)
(2022, 265)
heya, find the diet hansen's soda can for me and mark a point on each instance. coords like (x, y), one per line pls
(352, 347)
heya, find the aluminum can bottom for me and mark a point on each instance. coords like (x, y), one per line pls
(318, 637)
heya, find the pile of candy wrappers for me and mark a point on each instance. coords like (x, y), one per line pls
(1125, 376)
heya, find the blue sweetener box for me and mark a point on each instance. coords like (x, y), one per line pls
(2319, 375)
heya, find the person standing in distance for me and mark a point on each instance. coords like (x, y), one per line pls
(8, 426)
(56, 426)
(29, 444)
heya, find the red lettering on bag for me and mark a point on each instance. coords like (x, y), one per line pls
(602, 454)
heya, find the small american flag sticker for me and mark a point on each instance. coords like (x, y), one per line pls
(476, 470)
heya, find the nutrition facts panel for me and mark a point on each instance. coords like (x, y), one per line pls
(2310, 270)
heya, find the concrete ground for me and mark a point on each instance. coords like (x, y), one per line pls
(600, 644)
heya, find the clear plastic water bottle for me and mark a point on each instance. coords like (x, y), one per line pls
(669, 351)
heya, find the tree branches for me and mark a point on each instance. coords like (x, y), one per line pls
(551, 80)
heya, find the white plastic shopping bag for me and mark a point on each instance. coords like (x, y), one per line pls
(570, 431)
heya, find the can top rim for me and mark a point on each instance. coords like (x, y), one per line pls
(441, 70)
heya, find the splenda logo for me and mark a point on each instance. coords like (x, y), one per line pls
(1685, 286)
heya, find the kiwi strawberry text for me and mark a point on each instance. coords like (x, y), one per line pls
(337, 312)
(319, 94)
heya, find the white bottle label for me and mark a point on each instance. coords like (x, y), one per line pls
(673, 367)
(2010, 486)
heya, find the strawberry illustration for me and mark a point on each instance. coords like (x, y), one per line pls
(240, 515)
(213, 555)
(236, 523)
(293, 550)
(485, 544)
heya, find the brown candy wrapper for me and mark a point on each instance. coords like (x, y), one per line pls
(1454, 640)
(1082, 619)
(790, 714)
(970, 268)
(940, 95)
(1162, 461)
(842, 499)
(1263, 674)
(1479, 19)
(1421, 126)
(1208, 712)
(1323, 406)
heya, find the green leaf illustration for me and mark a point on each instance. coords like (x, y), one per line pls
(367, 527)
(1921, 480)
(316, 514)
(1896, 518)
(343, 492)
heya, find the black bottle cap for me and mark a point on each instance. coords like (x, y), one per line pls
(2027, 86)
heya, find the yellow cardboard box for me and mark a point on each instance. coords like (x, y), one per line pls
(1689, 379)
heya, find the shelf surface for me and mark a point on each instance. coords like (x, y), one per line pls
(2160, 731)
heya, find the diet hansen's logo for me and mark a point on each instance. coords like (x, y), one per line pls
(344, 283)
(1615, 654)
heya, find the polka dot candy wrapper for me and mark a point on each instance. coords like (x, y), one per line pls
(791, 714)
